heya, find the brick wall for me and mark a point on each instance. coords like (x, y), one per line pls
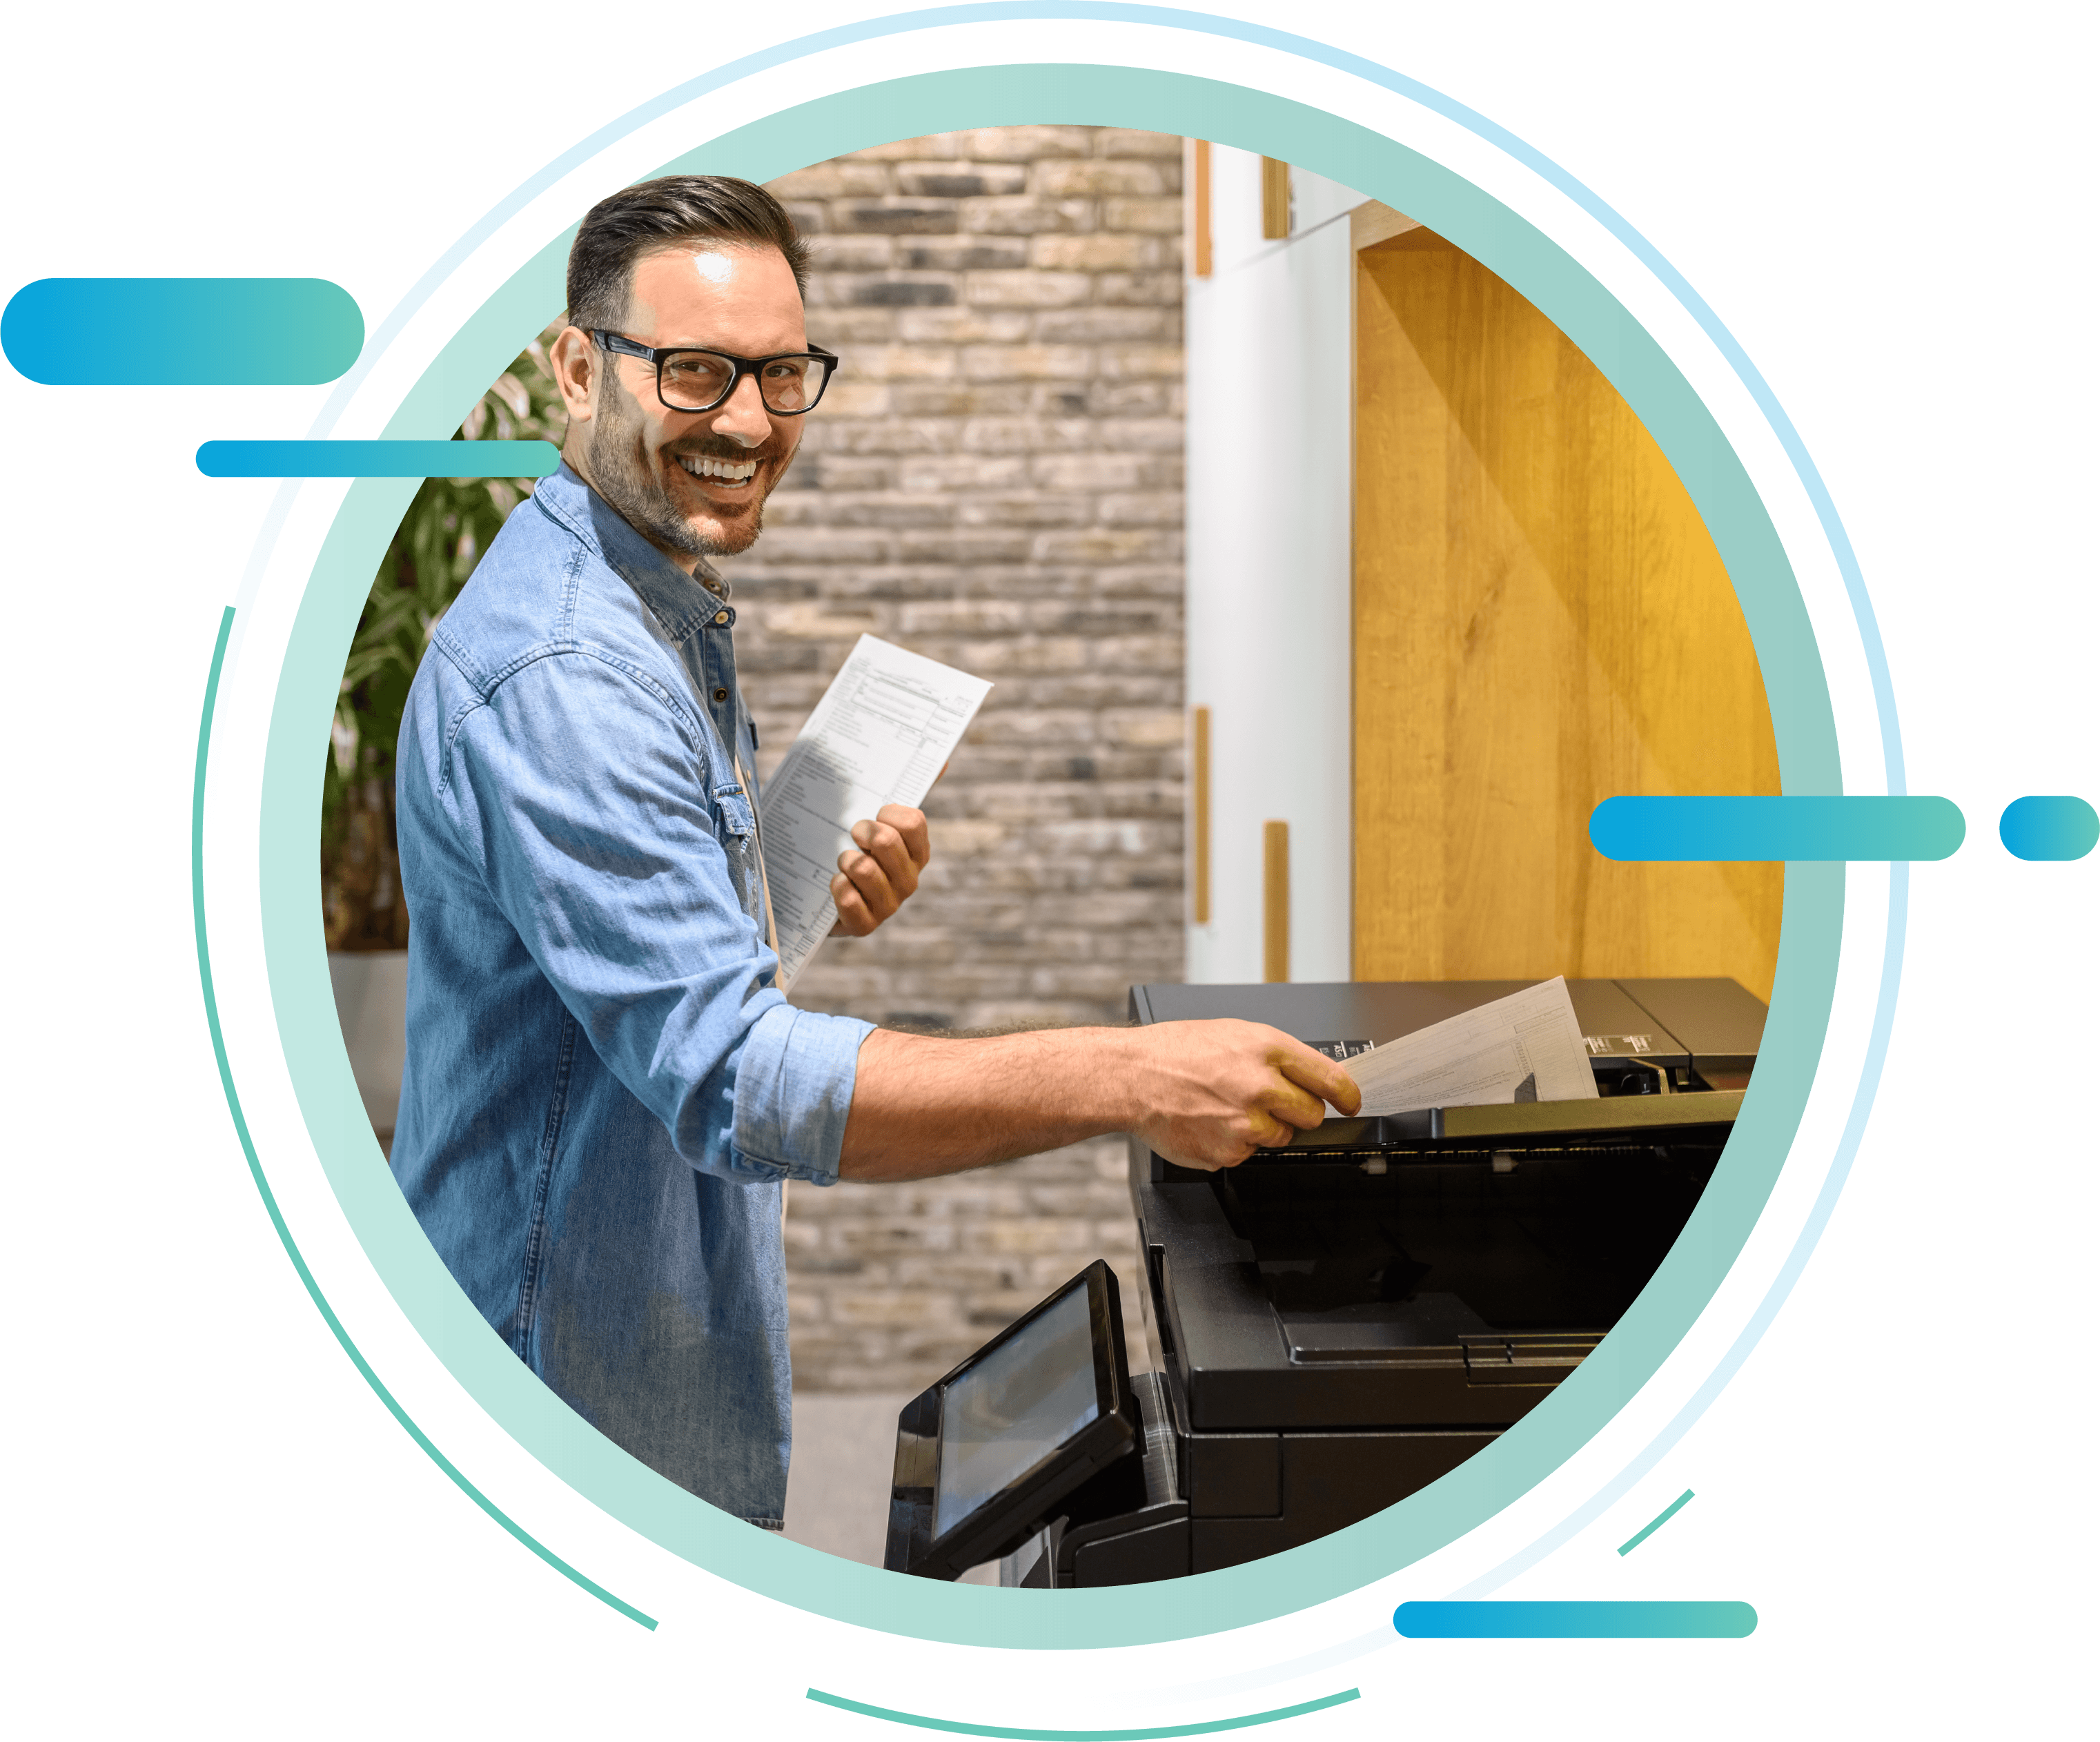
(994, 480)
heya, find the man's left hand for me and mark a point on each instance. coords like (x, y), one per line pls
(876, 874)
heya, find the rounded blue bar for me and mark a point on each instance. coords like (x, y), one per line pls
(349, 459)
(1575, 1620)
(182, 332)
(1661, 829)
(2039, 828)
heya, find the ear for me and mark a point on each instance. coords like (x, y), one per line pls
(576, 364)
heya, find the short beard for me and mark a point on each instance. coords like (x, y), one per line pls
(620, 474)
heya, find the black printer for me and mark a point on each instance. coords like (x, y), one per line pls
(1343, 1321)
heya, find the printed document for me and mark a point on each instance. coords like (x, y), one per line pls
(880, 736)
(1526, 1047)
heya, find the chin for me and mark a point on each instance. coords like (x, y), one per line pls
(729, 538)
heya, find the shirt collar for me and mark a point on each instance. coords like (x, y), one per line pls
(679, 602)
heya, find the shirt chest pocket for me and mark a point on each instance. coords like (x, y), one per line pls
(733, 815)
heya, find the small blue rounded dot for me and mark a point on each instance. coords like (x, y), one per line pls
(2037, 828)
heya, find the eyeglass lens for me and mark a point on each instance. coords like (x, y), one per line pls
(693, 380)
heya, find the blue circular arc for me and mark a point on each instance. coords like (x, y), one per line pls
(1574, 190)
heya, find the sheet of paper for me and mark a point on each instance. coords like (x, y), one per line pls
(1526, 1047)
(880, 736)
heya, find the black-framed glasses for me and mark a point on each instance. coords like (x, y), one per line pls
(692, 380)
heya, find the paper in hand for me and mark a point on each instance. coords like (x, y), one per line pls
(1526, 1047)
(880, 736)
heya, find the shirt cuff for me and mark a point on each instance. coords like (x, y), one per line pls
(794, 1085)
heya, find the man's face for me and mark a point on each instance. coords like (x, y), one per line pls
(693, 483)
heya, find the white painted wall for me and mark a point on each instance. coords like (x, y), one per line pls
(1269, 504)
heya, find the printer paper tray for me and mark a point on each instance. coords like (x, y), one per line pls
(1521, 1122)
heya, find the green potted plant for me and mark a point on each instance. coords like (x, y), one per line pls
(364, 917)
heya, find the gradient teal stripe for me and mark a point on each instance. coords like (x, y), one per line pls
(182, 332)
(1575, 1620)
(379, 459)
(1655, 1524)
(270, 1197)
(1793, 829)
(957, 1727)
(2039, 828)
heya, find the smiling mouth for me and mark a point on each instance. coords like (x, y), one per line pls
(726, 473)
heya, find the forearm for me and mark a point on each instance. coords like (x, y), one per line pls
(1203, 1094)
(922, 1106)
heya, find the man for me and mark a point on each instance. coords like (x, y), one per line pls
(604, 1090)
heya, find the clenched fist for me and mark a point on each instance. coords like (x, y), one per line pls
(1216, 1091)
(880, 869)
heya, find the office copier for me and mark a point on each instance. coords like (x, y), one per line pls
(1340, 1322)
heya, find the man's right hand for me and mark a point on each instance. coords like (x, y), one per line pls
(1211, 1093)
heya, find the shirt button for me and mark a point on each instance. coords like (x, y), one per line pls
(722, 616)
(721, 695)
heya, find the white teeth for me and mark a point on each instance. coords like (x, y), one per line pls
(730, 471)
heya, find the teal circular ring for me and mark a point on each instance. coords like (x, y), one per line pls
(1803, 726)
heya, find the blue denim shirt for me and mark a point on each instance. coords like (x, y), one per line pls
(604, 1089)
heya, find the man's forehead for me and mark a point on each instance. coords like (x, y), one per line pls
(694, 285)
(711, 262)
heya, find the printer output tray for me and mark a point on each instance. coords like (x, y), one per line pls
(1664, 1118)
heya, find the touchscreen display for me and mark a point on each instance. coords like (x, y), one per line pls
(1013, 1408)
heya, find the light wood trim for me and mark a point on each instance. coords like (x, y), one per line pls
(1275, 200)
(1275, 900)
(1372, 224)
(1199, 781)
(1200, 181)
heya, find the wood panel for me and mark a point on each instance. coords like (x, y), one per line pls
(1540, 622)
(1275, 200)
(1199, 184)
(1371, 223)
(1275, 900)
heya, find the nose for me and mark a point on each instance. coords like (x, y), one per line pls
(743, 418)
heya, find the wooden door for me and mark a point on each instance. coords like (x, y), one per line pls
(1540, 622)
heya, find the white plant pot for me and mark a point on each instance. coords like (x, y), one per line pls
(371, 1003)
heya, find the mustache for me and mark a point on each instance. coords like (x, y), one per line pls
(717, 448)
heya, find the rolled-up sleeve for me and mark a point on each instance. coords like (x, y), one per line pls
(581, 792)
(794, 1086)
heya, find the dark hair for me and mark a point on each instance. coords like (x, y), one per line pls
(672, 210)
